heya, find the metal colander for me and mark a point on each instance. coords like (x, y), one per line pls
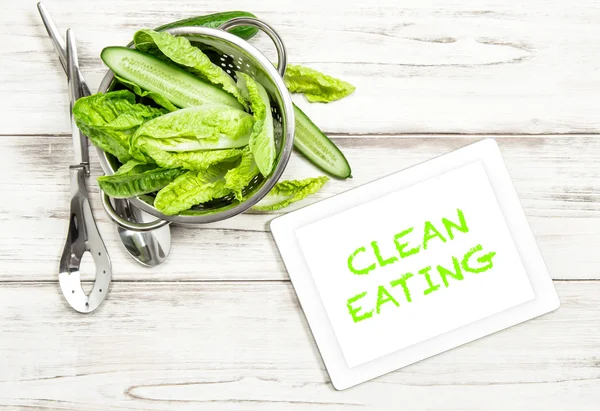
(233, 54)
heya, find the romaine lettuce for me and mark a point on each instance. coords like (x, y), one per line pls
(135, 167)
(179, 50)
(287, 192)
(206, 127)
(239, 177)
(135, 178)
(190, 160)
(109, 120)
(192, 188)
(262, 140)
(317, 87)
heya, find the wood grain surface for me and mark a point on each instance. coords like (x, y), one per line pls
(419, 66)
(556, 177)
(246, 346)
(218, 327)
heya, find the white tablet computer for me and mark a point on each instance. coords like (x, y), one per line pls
(414, 264)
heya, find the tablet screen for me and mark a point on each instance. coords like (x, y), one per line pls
(414, 264)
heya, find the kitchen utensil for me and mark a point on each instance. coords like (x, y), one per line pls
(83, 235)
(232, 54)
(149, 248)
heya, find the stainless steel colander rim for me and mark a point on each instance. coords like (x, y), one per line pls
(287, 112)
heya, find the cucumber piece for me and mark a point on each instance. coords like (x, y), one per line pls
(214, 21)
(175, 84)
(318, 148)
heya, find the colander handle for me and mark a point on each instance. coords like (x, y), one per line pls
(261, 25)
(126, 224)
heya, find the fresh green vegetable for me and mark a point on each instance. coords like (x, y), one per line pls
(287, 192)
(214, 21)
(240, 177)
(178, 49)
(190, 160)
(109, 120)
(319, 149)
(134, 167)
(207, 148)
(135, 178)
(191, 188)
(309, 139)
(316, 86)
(158, 98)
(207, 127)
(262, 140)
(173, 83)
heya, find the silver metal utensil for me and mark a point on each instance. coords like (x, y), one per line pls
(83, 235)
(149, 248)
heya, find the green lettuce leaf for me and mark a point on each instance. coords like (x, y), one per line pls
(316, 86)
(179, 50)
(190, 160)
(262, 140)
(135, 167)
(158, 98)
(239, 177)
(206, 127)
(192, 188)
(135, 178)
(109, 120)
(287, 192)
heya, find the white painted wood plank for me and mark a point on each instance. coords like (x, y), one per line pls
(241, 346)
(419, 66)
(557, 178)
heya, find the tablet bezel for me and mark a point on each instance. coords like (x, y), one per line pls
(486, 151)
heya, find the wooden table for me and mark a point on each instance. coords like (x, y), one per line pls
(218, 327)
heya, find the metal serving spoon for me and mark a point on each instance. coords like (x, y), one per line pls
(149, 248)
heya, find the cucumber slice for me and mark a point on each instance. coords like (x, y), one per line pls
(175, 84)
(318, 148)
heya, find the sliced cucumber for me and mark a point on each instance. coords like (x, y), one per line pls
(318, 148)
(175, 84)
